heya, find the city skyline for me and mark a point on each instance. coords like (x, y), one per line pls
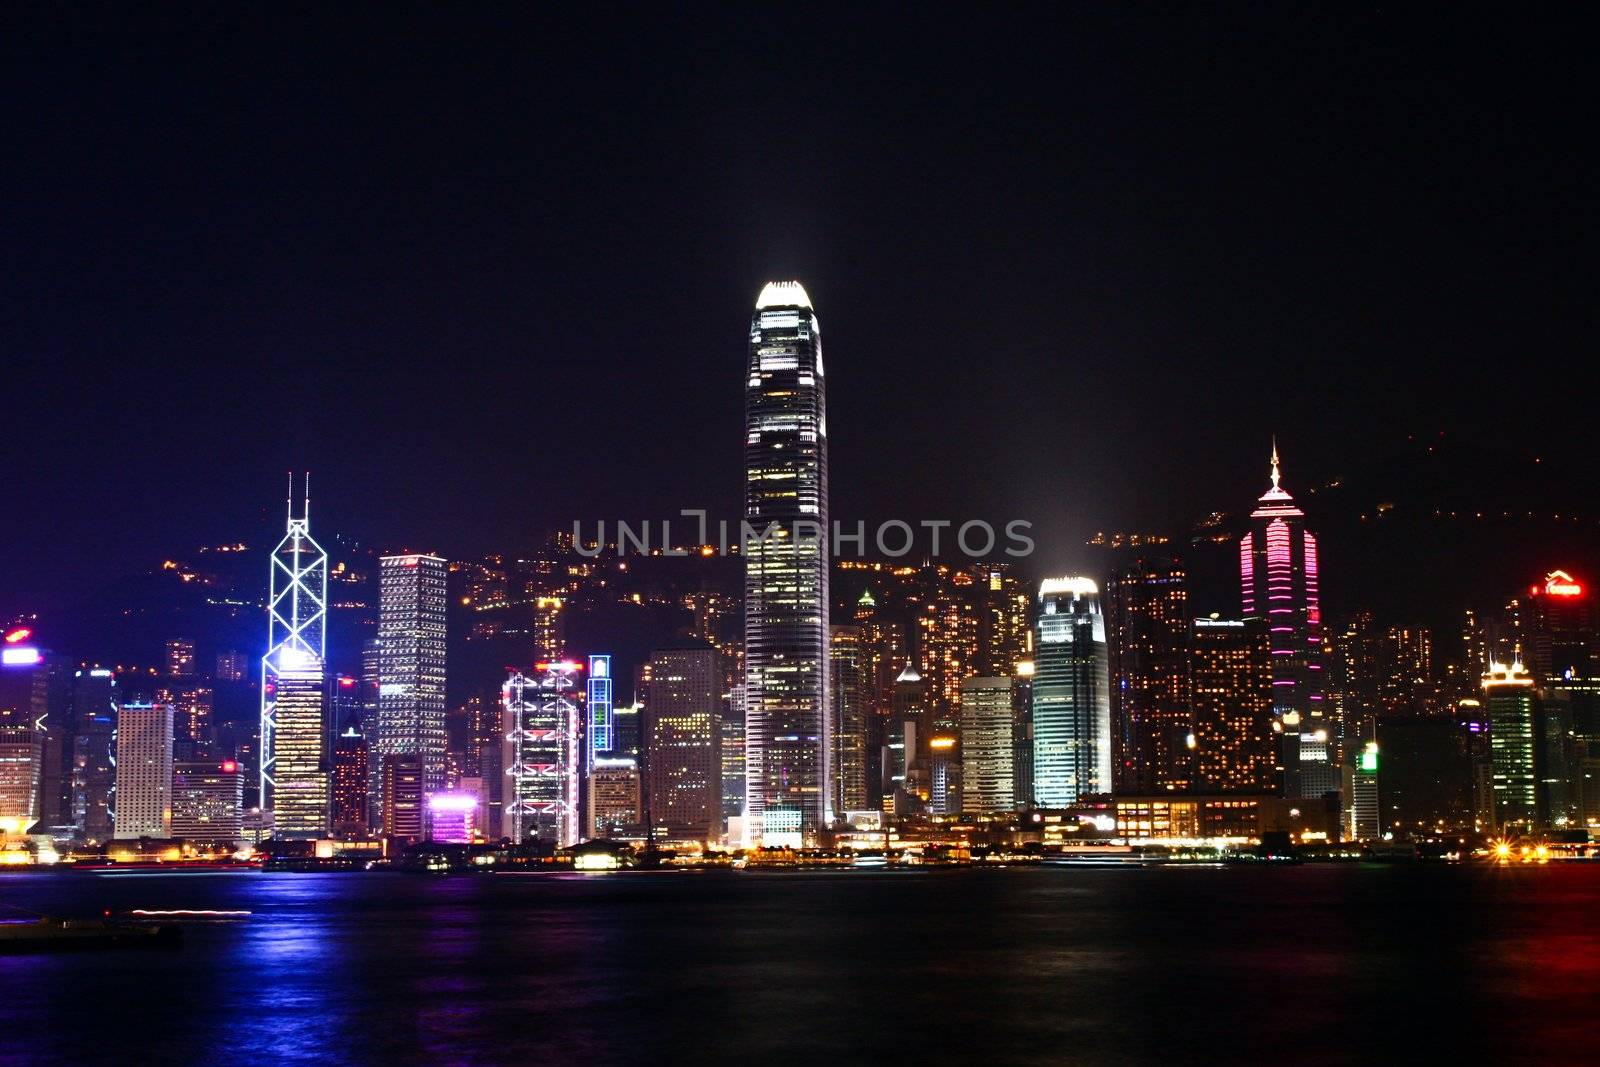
(1193, 523)
(1185, 314)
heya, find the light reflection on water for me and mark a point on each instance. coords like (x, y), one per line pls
(1041, 964)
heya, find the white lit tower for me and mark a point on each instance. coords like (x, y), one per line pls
(296, 647)
(788, 735)
(540, 754)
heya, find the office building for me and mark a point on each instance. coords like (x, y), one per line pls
(613, 796)
(788, 749)
(847, 692)
(1230, 693)
(232, 666)
(301, 767)
(402, 777)
(1147, 625)
(144, 771)
(1071, 697)
(351, 780)
(297, 619)
(21, 768)
(541, 727)
(1512, 706)
(453, 817)
(684, 762)
(208, 801)
(179, 656)
(411, 663)
(1365, 813)
(1280, 582)
(989, 727)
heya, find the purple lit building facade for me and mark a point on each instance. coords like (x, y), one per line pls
(1279, 573)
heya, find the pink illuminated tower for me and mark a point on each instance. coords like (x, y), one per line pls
(1280, 585)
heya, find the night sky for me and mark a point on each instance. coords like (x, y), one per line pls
(484, 272)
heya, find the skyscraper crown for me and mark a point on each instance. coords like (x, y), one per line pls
(783, 295)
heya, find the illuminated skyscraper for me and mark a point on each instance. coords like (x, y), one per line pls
(788, 749)
(540, 755)
(403, 796)
(296, 643)
(1514, 749)
(21, 767)
(301, 766)
(613, 795)
(411, 664)
(144, 771)
(1147, 624)
(600, 706)
(351, 782)
(1071, 698)
(685, 753)
(989, 726)
(1280, 584)
(1230, 687)
(847, 691)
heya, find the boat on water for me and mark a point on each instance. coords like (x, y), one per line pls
(44, 934)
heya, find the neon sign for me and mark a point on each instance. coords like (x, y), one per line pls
(1556, 583)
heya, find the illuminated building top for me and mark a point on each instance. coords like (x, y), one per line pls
(1276, 501)
(1506, 674)
(783, 295)
(1556, 583)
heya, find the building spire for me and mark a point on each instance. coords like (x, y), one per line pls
(1275, 474)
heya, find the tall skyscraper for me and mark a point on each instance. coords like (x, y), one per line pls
(1071, 697)
(989, 726)
(540, 754)
(94, 764)
(300, 758)
(1280, 579)
(685, 756)
(1513, 712)
(1230, 686)
(296, 645)
(351, 780)
(411, 664)
(847, 690)
(144, 771)
(1147, 625)
(788, 749)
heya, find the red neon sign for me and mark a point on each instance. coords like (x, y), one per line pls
(1556, 583)
(17, 636)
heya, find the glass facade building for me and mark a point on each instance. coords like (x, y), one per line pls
(788, 749)
(411, 664)
(1071, 695)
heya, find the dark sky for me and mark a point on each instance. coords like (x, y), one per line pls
(484, 271)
